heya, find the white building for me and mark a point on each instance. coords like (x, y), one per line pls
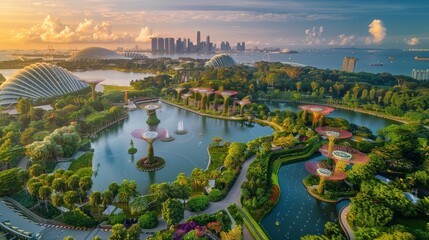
(420, 75)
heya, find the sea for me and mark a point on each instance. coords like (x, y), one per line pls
(394, 61)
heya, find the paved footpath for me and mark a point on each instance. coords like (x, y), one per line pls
(344, 223)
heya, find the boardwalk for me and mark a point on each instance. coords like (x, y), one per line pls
(342, 219)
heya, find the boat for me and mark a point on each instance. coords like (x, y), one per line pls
(376, 64)
(421, 58)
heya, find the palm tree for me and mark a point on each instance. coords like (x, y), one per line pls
(59, 185)
(70, 198)
(44, 194)
(57, 200)
(106, 198)
(94, 200)
(33, 189)
(85, 184)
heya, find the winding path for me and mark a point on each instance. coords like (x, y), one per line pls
(342, 219)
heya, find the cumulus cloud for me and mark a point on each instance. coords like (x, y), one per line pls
(343, 40)
(145, 35)
(377, 31)
(54, 31)
(313, 36)
(412, 41)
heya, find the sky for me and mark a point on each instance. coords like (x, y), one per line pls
(43, 24)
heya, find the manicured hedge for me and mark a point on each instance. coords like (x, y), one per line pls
(79, 219)
(148, 220)
(198, 204)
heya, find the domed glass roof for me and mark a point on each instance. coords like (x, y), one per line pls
(220, 61)
(97, 53)
(39, 80)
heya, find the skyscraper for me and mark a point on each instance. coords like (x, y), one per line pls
(171, 45)
(160, 45)
(154, 45)
(349, 64)
(198, 40)
(208, 43)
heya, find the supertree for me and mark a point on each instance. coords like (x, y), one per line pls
(317, 111)
(92, 82)
(205, 94)
(243, 103)
(152, 119)
(332, 134)
(186, 97)
(150, 162)
(344, 155)
(195, 91)
(226, 94)
(324, 173)
(179, 90)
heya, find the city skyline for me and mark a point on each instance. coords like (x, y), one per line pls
(273, 23)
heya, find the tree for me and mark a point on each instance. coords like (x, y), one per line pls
(234, 234)
(139, 205)
(133, 232)
(33, 189)
(114, 188)
(85, 184)
(127, 190)
(59, 185)
(148, 220)
(95, 200)
(107, 198)
(73, 182)
(119, 232)
(69, 238)
(11, 181)
(70, 198)
(57, 200)
(298, 86)
(44, 194)
(172, 211)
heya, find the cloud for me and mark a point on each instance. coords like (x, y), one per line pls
(412, 41)
(343, 40)
(145, 35)
(377, 31)
(52, 30)
(313, 36)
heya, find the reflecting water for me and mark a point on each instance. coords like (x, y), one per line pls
(112, 163)
(372, 122)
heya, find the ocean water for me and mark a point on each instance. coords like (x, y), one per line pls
(394, 61)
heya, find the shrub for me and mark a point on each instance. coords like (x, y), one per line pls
(215, 195)
(79, 219)
(117, 218)
(148, 220)
(199, 203)
(132, 150)
(233, 210)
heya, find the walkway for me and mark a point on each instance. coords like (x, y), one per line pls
(23, 163)
(342, 218)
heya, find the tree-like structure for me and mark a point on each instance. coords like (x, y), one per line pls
(226, 94)
(205, 94)
(150, 162)
(324, 173)
(243, 103)
(332, 134)
(152, 119)
(317, 111)
(179, 90)
(186, 97)
(195, 91)
(92, 82)
(344, 155)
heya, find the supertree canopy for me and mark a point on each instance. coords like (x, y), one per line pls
(343, 155)
(243, 103)
(332, 134)
(205, 93)
(226, 94)
(151, 108)
(150, 162)
(317, 111)
(324, 173)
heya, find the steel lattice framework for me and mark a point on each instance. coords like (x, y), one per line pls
(317, 111)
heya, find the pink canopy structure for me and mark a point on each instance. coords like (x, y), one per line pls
(179, 90)
(317, 111)
(205, 94)
(332, 134)
(343, 155)
(243, 103)
(324, 173)
(226, 94)
(92, 82)
(138, 133)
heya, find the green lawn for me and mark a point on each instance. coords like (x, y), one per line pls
(82, 162)
(217, 155)
(109, 88)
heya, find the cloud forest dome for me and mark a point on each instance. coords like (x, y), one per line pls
(220, 61)
(39, 80)
(97, 53)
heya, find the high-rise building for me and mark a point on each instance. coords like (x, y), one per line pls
(349, 64)
(161, 45)
(420, 75)
(154, 45)
(198, 40)
(241, 47)
(208, 43)
(171, 46)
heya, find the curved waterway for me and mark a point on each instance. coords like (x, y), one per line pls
(297, 213)
(112, 163)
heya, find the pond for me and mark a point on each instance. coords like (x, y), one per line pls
(112, 163)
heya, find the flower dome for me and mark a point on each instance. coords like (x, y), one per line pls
(221, 61)
(97, 53)
(39, 80)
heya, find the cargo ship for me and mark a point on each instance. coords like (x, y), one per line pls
(421, 58)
